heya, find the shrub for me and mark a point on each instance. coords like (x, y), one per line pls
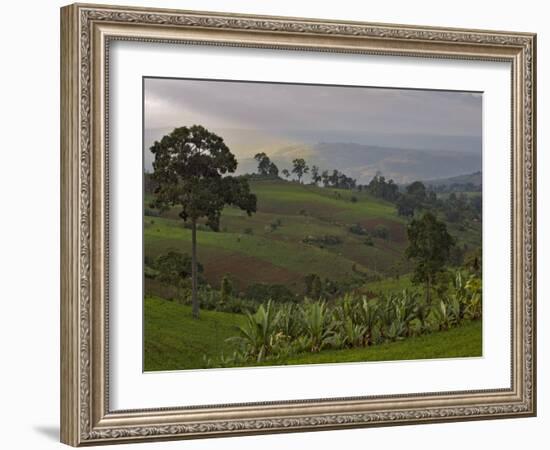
(248, 231)
(322, 240)
(368, 315)
(151, 212)
(380, 231)
(174, 266)
(442, 316)
(289, 322)
(358, 229)
(317, 325)
(149, 272)
(314, 286)
(474, 306)
(237, 305)
(226, 289)
(353, 333)
(256, 336)
(273, 225)
(264, 291)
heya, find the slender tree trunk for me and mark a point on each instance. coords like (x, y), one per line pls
(194, 298)
(428, 290)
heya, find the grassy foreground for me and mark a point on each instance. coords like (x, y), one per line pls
(463, 341)
(174, 341)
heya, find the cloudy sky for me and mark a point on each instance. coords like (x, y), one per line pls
(291, 118)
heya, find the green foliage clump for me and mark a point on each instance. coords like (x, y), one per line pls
(265, 166)
(358, 229)
(226, 290)
(323, 240)
(174, 269)
(429, 247)
(368, 241)
(256, 336)
(261, 292)
(379, 187)
(381, 231)
(273, 225)
(276, 332)
(151, 212)
(314, 286)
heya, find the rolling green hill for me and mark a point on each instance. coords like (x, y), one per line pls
(285, 239)
(298, 229)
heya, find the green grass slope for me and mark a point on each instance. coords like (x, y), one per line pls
(464, 341)
(175, 341)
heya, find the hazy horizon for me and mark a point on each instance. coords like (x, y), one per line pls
(406, 134)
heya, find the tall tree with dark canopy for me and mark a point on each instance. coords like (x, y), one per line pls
(429, 246)
(325, 178)
(315, 176)
(300, 168)
(190, 170)
(265, 165)
(273, 170)
(417, 191)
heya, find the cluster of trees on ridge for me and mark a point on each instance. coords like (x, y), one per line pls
(192, 171)
(415, 196)
(334, 178)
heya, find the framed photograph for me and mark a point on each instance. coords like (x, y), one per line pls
(275, 224)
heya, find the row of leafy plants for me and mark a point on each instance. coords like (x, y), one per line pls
(275, 332)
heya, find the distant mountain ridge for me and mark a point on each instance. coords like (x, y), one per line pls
(474, 178)
(404, 163)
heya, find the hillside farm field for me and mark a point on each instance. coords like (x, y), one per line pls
(281, 251)
(255, 252)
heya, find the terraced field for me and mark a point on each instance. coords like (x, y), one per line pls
(284, 240)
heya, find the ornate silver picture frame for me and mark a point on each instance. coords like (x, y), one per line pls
(87, 32)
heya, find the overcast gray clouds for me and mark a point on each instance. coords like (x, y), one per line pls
(288, 121)
(275, 107)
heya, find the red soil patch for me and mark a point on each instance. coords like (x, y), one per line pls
(245, 270)
(397, 231)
